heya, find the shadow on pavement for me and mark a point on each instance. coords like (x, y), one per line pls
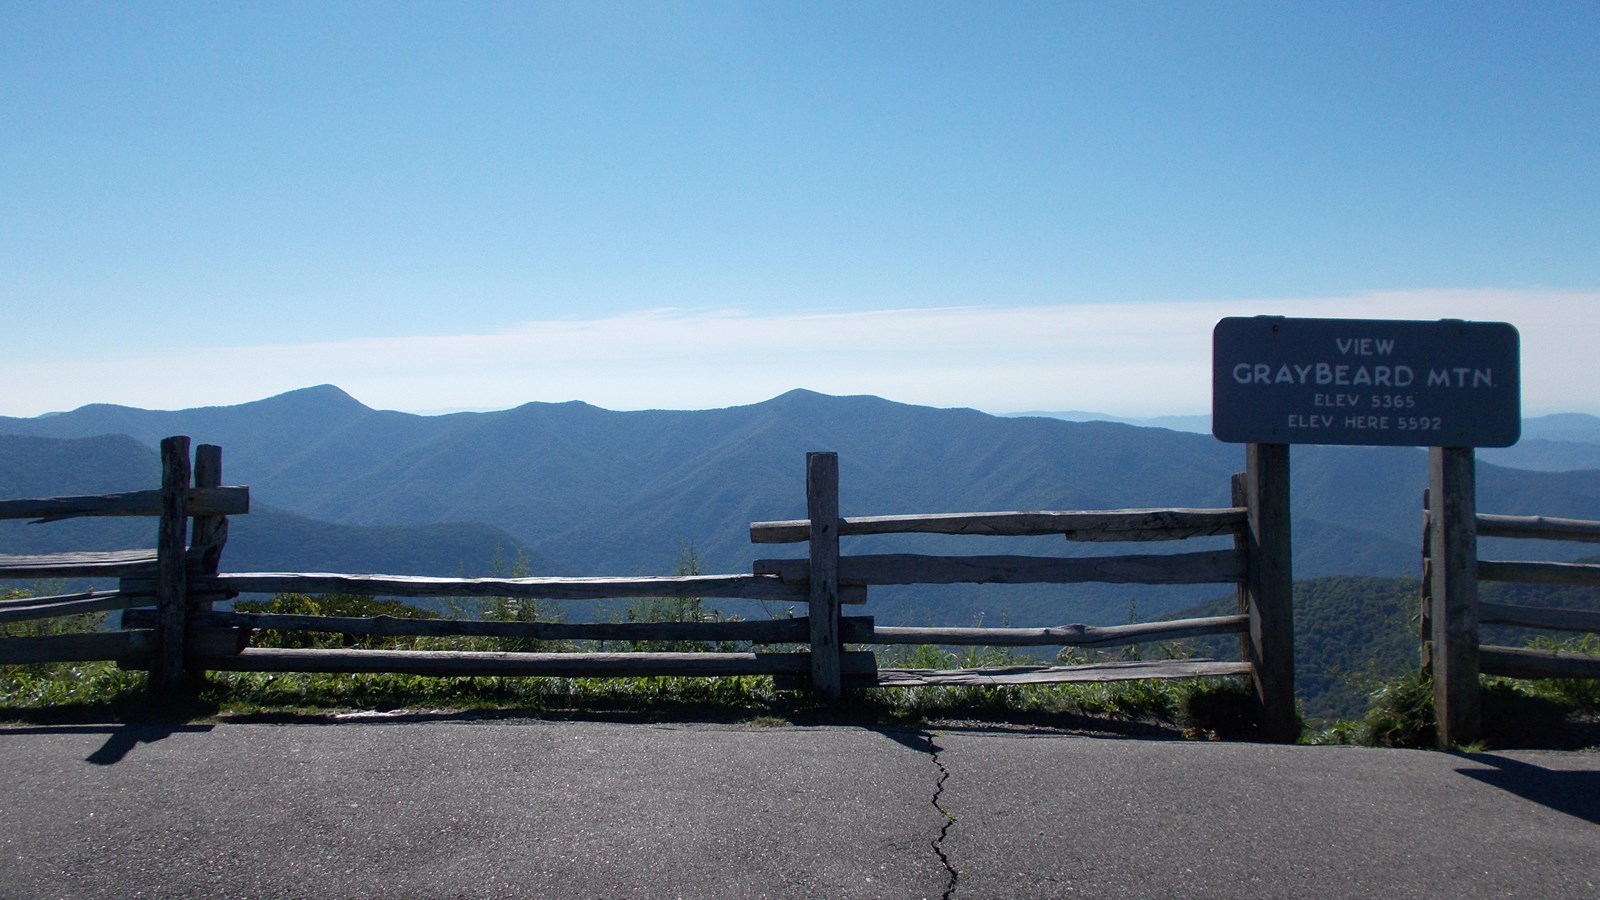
(131, 735)
(1062, 724)
(121, 739)
(1575, 793)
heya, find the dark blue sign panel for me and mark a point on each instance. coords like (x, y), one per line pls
(1380, 382)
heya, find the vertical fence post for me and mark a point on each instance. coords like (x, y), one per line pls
(1267, 596)
(209, 533)
(1453, 563)
(822, 508)
(172, 596)
(1425, 604)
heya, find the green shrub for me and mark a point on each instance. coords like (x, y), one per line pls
(61, 686)
(1217, 710)
(1400, 714)
(1582, 694)
(342, 605)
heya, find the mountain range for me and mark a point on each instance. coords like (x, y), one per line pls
(267, 539)
(580, 490)
(1560, 442)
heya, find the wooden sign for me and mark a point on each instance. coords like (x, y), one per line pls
(1381, 382)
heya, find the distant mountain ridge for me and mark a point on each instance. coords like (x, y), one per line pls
(593, 491)
(266, 539)
(1580, 427)
(1199, 424)
(1560, 442)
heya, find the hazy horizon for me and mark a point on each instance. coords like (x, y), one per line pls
(1069, 414)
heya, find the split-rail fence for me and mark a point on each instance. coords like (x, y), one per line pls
(1453, 613)
(172, 627)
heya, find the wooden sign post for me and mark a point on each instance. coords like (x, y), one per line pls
(1267, 593)
(1448, 385)
(1453, 593)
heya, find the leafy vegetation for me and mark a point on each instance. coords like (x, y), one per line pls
(331, 605)
(1364, 647)
(70, 688)
(1580, 693)
(1358, 637)
(1185, 705)
(103, 689)
(1353, 635)
(1546, 713)
(1198, 708)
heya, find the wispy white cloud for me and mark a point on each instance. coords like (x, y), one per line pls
(1122, 358)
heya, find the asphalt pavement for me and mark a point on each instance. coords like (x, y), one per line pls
(456, 808)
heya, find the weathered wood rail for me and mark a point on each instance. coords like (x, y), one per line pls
(169, 624)
(188, 492)
(1453, 613)
(1258, 524)
(198, 501)
(171, 628)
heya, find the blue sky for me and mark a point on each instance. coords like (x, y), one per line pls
(1005, 206)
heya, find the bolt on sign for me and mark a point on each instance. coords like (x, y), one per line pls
(1377, 382)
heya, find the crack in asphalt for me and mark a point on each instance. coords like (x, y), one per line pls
(949, 819)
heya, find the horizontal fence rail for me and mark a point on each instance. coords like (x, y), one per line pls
(30, 608)
(462, 663)
(1524, 662)
(1209, 567)
(1540, 527)
(169, 626)
(858, 629)
(1454, 613)
(1065, 635)
(1535, 663)
(86, 564)
(1530, 662)
(1558, 573)
(1550, 618)
(1076, 525)
(188, 492)
(1266, 480)
(747, 587)
(1001, 676)
(218, 501)
(129, 648)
